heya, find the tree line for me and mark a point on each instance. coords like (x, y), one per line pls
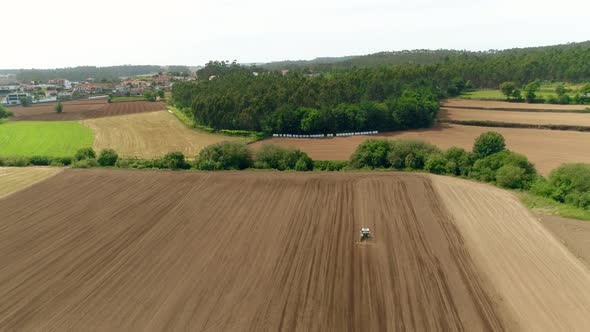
(485, 69)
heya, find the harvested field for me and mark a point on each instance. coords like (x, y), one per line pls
(483, 104)
(164, 251)
(574, 234)
(83, 109)
(572, 119)
(547, 149)
(543, 284)
(13, 179)
(150, 135)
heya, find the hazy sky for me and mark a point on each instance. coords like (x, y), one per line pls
(66, 33)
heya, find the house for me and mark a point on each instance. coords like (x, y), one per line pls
(284, 71)
(14, 98)
(8, 88)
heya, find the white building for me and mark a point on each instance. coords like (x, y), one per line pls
(14, 98)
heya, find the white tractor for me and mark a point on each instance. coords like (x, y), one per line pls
(365, 234)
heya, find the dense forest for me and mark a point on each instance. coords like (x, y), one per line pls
(383, 91)
(82, 73)
(384, 98)
(486, 69)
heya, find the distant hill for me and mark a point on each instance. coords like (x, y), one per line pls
(421, 56)
(485, 69)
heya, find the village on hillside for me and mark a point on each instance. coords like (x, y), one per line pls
(17, 92)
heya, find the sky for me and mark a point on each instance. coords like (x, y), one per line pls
(68, 33)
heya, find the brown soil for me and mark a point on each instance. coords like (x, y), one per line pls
(543, 284)
(83, 109)
(149, 135)
(572, 119)
(164, 251)
(13, 179)
(547, 149)
(506, 105)
(574, 234)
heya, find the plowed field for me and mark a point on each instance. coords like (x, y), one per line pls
(486, 104)
(149, 135)
(547, 149)
(571, 119)
(13, 179)
(83, 109)
(139, 251)
(174, 251)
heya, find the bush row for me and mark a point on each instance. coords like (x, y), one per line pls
(489, 161)
(35, 161)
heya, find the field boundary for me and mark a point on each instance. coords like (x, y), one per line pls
(505, 109)
(495, 124)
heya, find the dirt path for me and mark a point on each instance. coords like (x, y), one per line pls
(13, 179)
(149, 135)
(176, 251)
(543, 284)
(574, 234)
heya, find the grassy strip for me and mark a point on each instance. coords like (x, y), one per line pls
(191, 123)
(482, 123)
(544, 205)
(125, 98)
(586, 110)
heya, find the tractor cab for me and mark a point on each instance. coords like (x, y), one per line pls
(365, 234)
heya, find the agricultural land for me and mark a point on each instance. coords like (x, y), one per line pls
(128, 256)
(42, 138)
(13, 179)
(149, 135)
(557, 146)
(83, 109)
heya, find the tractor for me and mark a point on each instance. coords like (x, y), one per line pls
(365, 234)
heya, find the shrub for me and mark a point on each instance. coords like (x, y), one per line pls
(436, 164)
(459, 161)
(107, 157)
(84, 153)
(224, 155)
(372, 153)
(40, 160)
(569, 183)
(61, 161)
(173, 160)
(14, 161)
(136, 163)
(58, 107)
(5, 113)
(329, 165)
(486, 169)
(510, 176)
(85, 163)
(488, 143)
(280, 158)
(410, 154)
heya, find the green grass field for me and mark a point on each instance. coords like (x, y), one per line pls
(54, 139)
(547, 90)
(130, 98)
